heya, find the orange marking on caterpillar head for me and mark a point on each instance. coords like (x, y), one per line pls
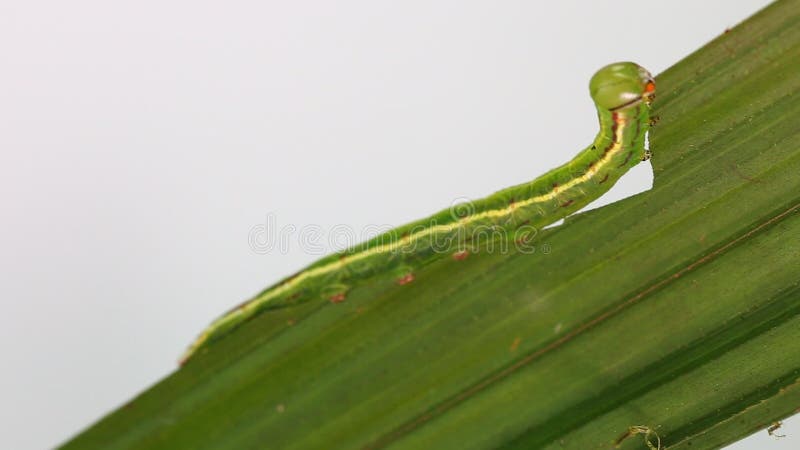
(337, 298)
(405, 279)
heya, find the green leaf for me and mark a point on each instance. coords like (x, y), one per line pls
(677, 309)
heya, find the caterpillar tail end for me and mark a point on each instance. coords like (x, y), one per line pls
(192, 349)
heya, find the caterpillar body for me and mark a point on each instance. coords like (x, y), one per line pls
(622, 93)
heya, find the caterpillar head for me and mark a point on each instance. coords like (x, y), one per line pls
(621, 85)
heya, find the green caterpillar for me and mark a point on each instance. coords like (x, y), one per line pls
(622, 93)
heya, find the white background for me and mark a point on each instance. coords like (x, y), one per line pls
(140, 142)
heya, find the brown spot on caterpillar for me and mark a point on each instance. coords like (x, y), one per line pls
(638, 122)
(460, 255)
(515, 344)
(524, 240)
(603, 180)
(405, 279)
(337, 298)
(567, 203)
(627, 158)
(291, 322)
(614, 127)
